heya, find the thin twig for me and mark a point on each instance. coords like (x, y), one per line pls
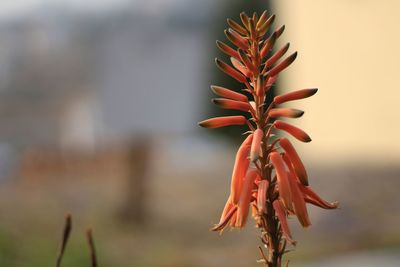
(65, 237)
(93, 258)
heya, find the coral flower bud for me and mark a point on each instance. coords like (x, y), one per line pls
(296, 132)
(230, 71)
(263, 28)
(299, 203)
(227, 49)
(262, 196)
(226, 218)
(223, 121)
(256, 145)
(231, 104)
(246, 60)
(240, 67)
(224, 92)
(269, 43)
(245, 197)
(260, 86)
(277, 55)
(245, 20)
(236, 39)
(279, 31)
(283, 65)
(311, 197)
(240, 169)
(285, 112)
(295, 160)
(281, 214)
(263, 18)
(235, 26)
(295, 95)
(283, 181)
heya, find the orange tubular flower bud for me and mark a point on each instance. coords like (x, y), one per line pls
(260, 86)
(245, 20)
(311, 197)
(283, 65)
(246, 60)
(245, 197)
(256, 145)
(299, 203)
(236, 39)
(285, 112)
(228, 216)
(231, 104)
(263, 18)
(276, 56)
(240, 67)
(279, 31)
(240, 169)
(230, 71)
(283, 181)
(296, 132)
(227, 49)
(295, 160)
(295, 95)
(271, 81)
(263, 28)
(235, 26)
(268, 44)
(224, 92)
(281, 214)
(223, 121)
(262, 196)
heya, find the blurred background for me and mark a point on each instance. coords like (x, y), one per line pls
(99, 104)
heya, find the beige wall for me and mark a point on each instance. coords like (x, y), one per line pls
(350, 50)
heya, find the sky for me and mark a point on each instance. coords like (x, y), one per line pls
(15, 8)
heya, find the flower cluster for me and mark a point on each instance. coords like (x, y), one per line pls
(268, 176)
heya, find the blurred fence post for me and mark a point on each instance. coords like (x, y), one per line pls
(137, 179)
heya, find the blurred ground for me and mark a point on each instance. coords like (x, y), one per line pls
(182, 205)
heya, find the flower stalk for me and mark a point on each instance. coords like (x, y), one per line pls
(268, 176)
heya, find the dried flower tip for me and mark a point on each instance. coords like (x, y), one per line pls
(279, 31)
(295, 95)
(295, 160)
(283, 65)
(256, 145)
(223, 121)
(224, 92)
(245, 197)
(235, 26)
(296, 132)
(262, 196)
(236, 39)
(227, 49)
(282, 178)
(231, 104)
(230, 71)
(285, 112)
(240, 169)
